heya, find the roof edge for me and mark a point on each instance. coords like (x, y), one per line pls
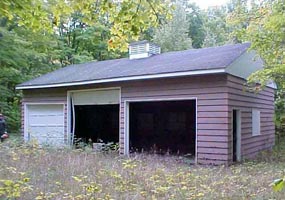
(140, 77)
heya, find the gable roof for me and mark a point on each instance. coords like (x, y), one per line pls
(171, 64)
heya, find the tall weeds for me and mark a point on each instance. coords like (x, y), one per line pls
(30, 172)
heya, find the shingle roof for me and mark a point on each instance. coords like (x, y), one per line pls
(171, 62)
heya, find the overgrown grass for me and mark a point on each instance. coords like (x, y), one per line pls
(29, 172)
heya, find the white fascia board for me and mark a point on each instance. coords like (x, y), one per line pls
(141, 77)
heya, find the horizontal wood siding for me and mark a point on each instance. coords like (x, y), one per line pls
(245, 101)
(212, 110)
(45, 95)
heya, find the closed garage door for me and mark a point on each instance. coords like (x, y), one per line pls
(45, 123)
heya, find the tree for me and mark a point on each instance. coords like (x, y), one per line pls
(265, 31)
(196, 22)
(173, 36)
(219, 29)
(22, 55)
(216, 30)
(127, 18)
(80, 43)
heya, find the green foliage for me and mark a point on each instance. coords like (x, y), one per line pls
(196, 20)
(220, 27)
(173, 36)
(264, 28)
(217, 31)
(279, 109)
(23, 55)
(215, 28)
(127, 18)
(80, 43)
(263, 24)
(13, 189)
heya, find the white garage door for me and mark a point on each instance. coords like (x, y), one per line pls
(45, 123)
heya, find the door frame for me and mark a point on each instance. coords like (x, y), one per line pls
(127, 119)
(238, 134)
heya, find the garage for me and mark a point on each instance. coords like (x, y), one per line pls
(94, 115)
(45, 123)
(164, 127)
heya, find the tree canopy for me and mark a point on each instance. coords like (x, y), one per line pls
(126, 18)
(263, 25)
(173, 35)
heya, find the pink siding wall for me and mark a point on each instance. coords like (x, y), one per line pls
(245, 102)
(214, 93)
(212, 110)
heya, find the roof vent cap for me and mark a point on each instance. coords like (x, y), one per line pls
(143, 49)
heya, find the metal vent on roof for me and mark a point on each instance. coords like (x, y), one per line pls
(143, 49)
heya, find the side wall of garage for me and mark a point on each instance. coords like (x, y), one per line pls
(246, 102)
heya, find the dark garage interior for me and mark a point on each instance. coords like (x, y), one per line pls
(163, 127)
(97, 122)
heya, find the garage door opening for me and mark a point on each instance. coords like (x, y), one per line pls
(166, 127)
(94, 115)
(97, 123)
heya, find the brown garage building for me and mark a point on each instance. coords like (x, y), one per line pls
(190, 102)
